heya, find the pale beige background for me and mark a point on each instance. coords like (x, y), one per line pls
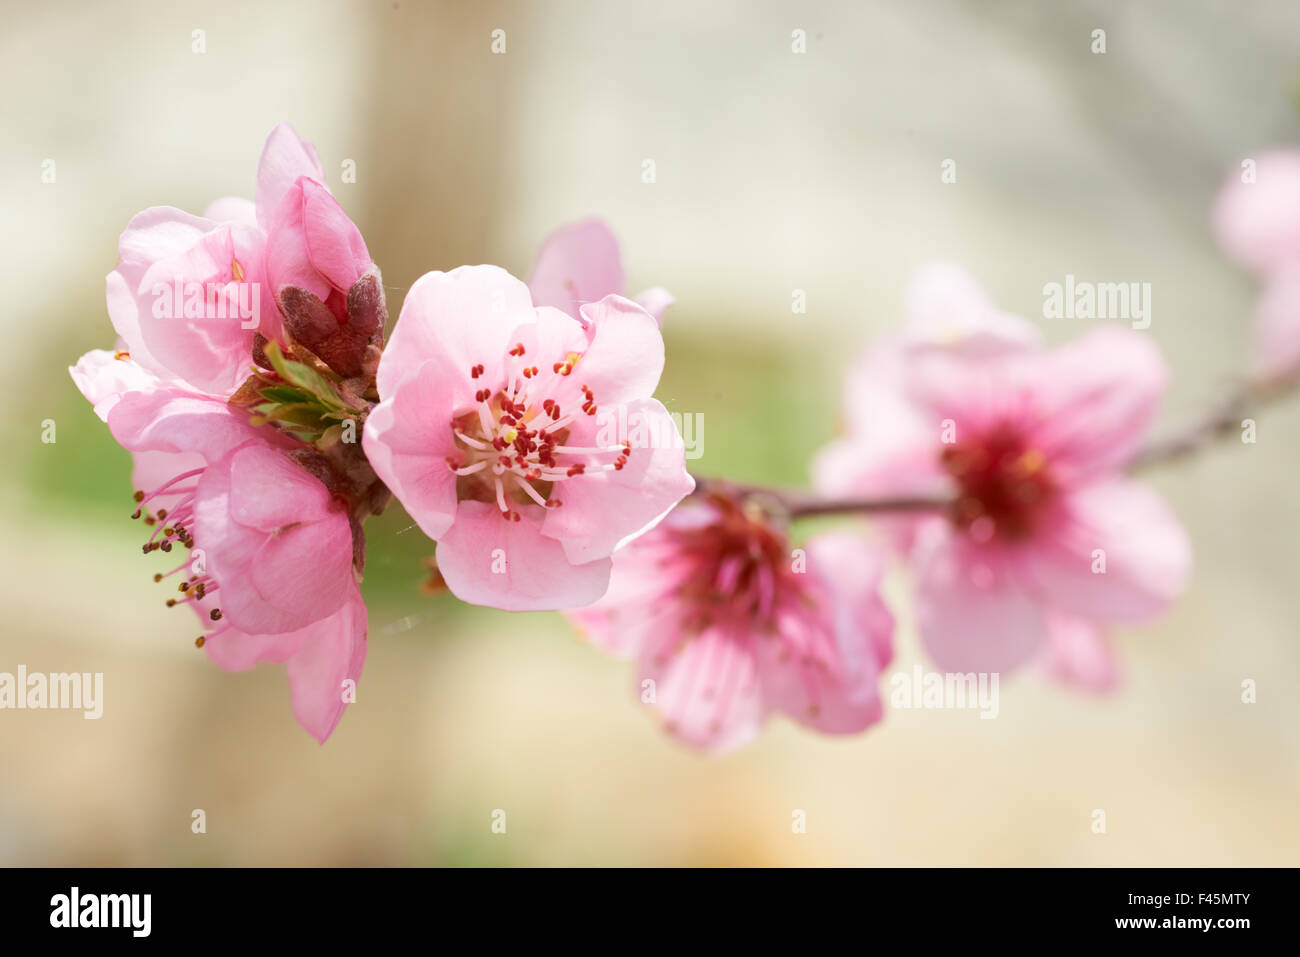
(775, 172)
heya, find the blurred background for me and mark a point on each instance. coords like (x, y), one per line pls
(775, 171)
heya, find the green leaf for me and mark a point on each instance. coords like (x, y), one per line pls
(304, 377)
(284, 394)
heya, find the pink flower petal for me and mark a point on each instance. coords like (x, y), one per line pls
(626, 355)
(465, 316)
(639, 604)
(946, 306)
(603, 509)
(103, 378)
(408, 440)
(578, 264)
(1121, 526)
(846, 624)
(211, 350)
(1078, 654)
(285, 158)
(319, 657)
(853, 570)
(487, 560)
(1276, 346)
(233, 210)
(311, 243)
(1258, 224)
(706, 687)
(170, 420)
(1096, 397)
(656, 302)
(972, 614)
(333, 654)
(273, 579)
(157, 233)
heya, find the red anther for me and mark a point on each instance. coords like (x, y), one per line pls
(576, 469)
(591, 409)
(528, 373)
(548, 404)
(534, 371)
(555, 412)
(566, 369)
(554, 503)
(475, 372)
(504, 460)
(499, 443)
(518, 350)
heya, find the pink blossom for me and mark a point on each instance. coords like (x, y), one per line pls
(270, 564)
(580, 263)
(488, 432)
(1031, 444)
(729, 625)
(1258, 224)
(190, 293)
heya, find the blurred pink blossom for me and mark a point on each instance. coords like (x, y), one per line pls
(1257, 221)
(728, 624)
(1031, 444)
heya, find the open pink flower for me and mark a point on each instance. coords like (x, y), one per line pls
(190, 293)
(1031, 444)
(269, 569)
(488, 432)
(580, 263)
(1258, 225)
(729, 624)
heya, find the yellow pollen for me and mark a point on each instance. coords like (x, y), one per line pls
(1031, 462)
(236, 270)
(121, 354)
(571, 360)
(509, 435)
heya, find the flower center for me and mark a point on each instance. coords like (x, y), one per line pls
(511, 446)
(1003, 484)
(740, 567)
